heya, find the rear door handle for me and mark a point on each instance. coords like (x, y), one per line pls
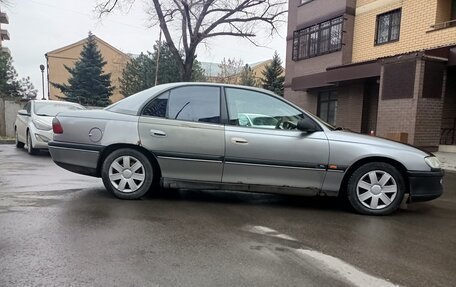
(239, 141)
(157, 133)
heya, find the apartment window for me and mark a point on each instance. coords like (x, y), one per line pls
(319, 39)
(453, 10)
(388, 27)
(327, 106)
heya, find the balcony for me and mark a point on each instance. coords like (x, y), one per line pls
(444, 25)
(4, 18)
(4, 35)
(5, 50)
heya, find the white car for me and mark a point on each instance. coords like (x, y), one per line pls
(33, 125)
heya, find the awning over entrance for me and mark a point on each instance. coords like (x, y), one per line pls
(353, 72)
(310, 81)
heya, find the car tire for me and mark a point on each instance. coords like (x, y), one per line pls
(127, 173)
(376, 189)
(30, 149)
(18, 143)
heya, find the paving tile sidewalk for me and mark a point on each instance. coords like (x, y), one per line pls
(448, 160)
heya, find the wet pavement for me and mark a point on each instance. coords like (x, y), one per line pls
(64, 229)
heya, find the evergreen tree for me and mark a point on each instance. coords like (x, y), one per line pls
(272, 76)
(247, 77)
(9, 85)
(88, 85)
(139, 73)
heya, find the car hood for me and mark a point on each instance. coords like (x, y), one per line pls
(352, 137)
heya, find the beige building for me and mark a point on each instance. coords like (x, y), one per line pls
(68, 55)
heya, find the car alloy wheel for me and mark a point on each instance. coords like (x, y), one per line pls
(127, 174)
(376, 189)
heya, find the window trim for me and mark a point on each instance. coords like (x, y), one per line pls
(391, 12)
(297, 36)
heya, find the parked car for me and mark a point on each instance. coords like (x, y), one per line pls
(188, 135)
(33, 125)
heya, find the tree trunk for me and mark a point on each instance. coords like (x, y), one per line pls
(188, 68)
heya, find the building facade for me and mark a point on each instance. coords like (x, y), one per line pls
(68, 55)
(4, 35)
(392, 71)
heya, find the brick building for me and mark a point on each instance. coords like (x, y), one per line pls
(387, 66)
(4, 35)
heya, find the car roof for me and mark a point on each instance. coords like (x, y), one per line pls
(179, 84)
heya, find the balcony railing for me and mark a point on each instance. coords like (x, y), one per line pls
(444, 25)
(4, 18)
(4, 34)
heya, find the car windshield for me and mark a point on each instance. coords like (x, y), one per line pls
(51, 109)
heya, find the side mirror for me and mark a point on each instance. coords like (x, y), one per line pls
(23, 113)
(306, 126)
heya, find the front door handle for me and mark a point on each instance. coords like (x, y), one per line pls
(157, 133)
(239, 141)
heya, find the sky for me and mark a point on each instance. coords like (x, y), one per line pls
(39, 26)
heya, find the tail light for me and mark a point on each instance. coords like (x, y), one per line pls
(56, 126)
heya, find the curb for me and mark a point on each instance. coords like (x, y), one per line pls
(7, 141)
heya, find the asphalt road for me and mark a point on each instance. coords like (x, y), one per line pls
(63, 229)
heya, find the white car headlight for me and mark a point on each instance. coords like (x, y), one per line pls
(432, 161)
(41, 125)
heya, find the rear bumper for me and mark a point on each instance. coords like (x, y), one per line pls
(425, 186)
(78, 158)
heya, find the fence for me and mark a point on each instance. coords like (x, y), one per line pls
(448, 131)
(8, 112)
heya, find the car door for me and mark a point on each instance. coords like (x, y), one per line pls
(22, 123)
(271, 151)
(182, 128)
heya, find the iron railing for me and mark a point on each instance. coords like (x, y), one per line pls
(448, 131)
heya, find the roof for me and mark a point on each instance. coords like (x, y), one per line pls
(81, 42)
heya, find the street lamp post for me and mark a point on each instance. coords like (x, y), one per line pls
(42, 79)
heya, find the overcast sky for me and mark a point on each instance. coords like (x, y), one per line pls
(40, 26)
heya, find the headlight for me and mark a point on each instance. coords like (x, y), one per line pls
(432, 161)
(41, 125)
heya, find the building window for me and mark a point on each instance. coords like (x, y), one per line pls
(319, 39)
(327, 106)
(388, 27)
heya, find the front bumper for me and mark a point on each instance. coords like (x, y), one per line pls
(426, 185)
(40, 138)
(78, 158)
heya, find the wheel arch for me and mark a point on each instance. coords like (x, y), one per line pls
(399, 166)
(109, 149)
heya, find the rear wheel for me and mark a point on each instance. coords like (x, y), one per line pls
(376, 189)
(30, 148)
(19, 144)
(127, 173)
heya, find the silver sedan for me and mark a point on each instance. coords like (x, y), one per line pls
(33, 125)
(191, 135)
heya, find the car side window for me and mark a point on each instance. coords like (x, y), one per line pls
(259, 110)
(195, 103)
(157, 107)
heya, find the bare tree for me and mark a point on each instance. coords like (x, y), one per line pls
(199, 20)
(229, 71)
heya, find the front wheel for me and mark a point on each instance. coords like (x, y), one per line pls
(127, 173)
(30, 149)
(376, 189)
(18, 143)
